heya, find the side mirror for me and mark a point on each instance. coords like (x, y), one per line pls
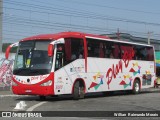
(50, 50)
(7, 52)
(9, 48)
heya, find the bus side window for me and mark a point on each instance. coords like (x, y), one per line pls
(127, 51)
(150, 56)
(74, 49)
(59, 60)
(59, 56)
(107, 49)
(101, 50)
(140, 52)
(117, 51)
(93, 48)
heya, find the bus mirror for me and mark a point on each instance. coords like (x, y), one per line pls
(7, 52)
(50, 50)
(9, 48)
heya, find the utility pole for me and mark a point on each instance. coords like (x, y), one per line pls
(1, 18)
(149, 35)
(118, 34)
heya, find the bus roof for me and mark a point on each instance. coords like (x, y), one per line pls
(62, 35)
(77, 35)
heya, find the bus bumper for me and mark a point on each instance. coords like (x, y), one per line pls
(33, 90)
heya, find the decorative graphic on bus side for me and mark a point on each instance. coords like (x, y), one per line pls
(127, 55)
(134, 71)
(126, 78)
(98, 78)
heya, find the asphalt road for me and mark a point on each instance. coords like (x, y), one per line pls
(147, 100)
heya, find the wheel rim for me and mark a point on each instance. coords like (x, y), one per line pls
(137, 87)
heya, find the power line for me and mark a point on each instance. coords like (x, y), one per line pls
(64, 12)
(105, 6)
(47, 23)
(60, 25)
(79, 14)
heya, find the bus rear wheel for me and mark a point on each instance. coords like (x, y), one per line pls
(78, 91)
(136, 87)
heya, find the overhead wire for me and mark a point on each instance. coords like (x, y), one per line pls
(78, 13)
(65, 12)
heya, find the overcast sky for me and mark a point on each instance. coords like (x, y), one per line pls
(24, 18)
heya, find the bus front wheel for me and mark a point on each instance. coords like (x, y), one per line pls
(42, 98)
(78, 91)
(136, 87)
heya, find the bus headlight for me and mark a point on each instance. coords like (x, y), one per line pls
(14, 84)
(48, 83)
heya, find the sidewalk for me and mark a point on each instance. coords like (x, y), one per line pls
(151, 90)
(9, 92)
(4, 88)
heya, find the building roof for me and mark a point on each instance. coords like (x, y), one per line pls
(130, 38)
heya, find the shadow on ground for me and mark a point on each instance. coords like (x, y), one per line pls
(87, 96)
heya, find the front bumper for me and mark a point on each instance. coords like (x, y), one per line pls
(33, 90)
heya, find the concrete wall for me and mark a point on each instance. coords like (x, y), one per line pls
(11, 56)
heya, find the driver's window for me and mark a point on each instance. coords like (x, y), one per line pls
(59, 60)
(59, 56)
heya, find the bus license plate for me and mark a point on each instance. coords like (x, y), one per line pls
(28, 91)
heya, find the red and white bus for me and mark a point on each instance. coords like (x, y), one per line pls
(77, 63)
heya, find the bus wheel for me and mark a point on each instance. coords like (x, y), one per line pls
(42, 97)
(136, 87)
(78, 91)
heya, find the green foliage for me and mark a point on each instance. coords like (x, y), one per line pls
(5, 45)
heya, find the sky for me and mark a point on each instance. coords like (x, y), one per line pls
(24, 18)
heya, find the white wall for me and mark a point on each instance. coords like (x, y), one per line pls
(11, 56)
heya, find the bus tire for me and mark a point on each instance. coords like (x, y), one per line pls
(136, 87)
(78, 91)
(42, 98)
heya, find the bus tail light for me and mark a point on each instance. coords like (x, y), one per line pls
(48, 83)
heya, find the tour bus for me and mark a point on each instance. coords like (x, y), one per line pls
(77, 63)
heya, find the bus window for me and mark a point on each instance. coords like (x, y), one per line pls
(144, 53)
(150, 55)
(127, 51)
(137, 52)
(73, 49)
(59, 56)
(116, 51)
(20, 62)
(103, 49)
(59, 60)
(93, 48)
(107, 49)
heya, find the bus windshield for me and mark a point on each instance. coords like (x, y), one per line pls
(32, 59)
